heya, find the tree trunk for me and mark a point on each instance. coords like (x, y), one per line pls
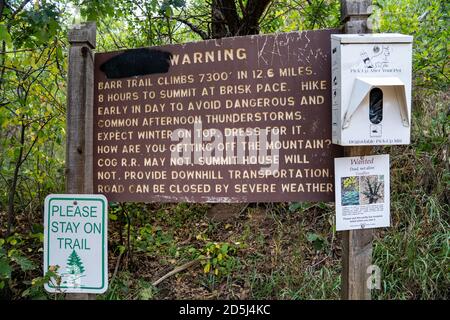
(12, 189)
(218, 27)
(227, 22)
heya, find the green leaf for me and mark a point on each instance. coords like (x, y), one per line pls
(207, 268)
(37, 228)
(317, 240)
(4, 34)
(294, 206)
(24, 263)
(224, 248)
(59, 53)
(312, 237)
(5, 269)
(168, 11)
(26, 293)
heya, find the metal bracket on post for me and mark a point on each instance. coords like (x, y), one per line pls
(80, 99)
(356, 244)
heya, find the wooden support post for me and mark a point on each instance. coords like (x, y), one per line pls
(356, 244)
(80, 95)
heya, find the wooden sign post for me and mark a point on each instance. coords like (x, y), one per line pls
(356, 244)
(79, 116)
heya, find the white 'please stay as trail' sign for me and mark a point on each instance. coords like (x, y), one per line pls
(75, 239)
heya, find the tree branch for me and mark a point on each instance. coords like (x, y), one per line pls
(175, 271)
(232, 19)
(34, 142)
(2, 6)
(250, 22)
(193, 27)
(19, 8)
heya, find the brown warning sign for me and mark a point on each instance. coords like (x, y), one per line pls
(245, 119)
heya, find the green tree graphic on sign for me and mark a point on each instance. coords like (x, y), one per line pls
(74, 264)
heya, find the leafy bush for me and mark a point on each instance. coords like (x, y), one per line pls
(217, 257)
(427, 21)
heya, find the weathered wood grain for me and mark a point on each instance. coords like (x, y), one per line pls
(356, 244)
(355, 8)
(79, 116)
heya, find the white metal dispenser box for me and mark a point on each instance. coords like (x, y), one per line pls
(371, 89)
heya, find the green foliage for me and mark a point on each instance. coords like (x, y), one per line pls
(427, 21)
(316, 240)
(5, 35)
(128, 287)
(166, 7)
(12, 259)
(146, 291)
(32, 112)
(92, 10)
(5, 270)
(120, 288)
(36, 290)
(304, 206)
(151, 239)
(217, 257)
(37, 27)
(285, 16)
(414, 253)
(414, 261)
